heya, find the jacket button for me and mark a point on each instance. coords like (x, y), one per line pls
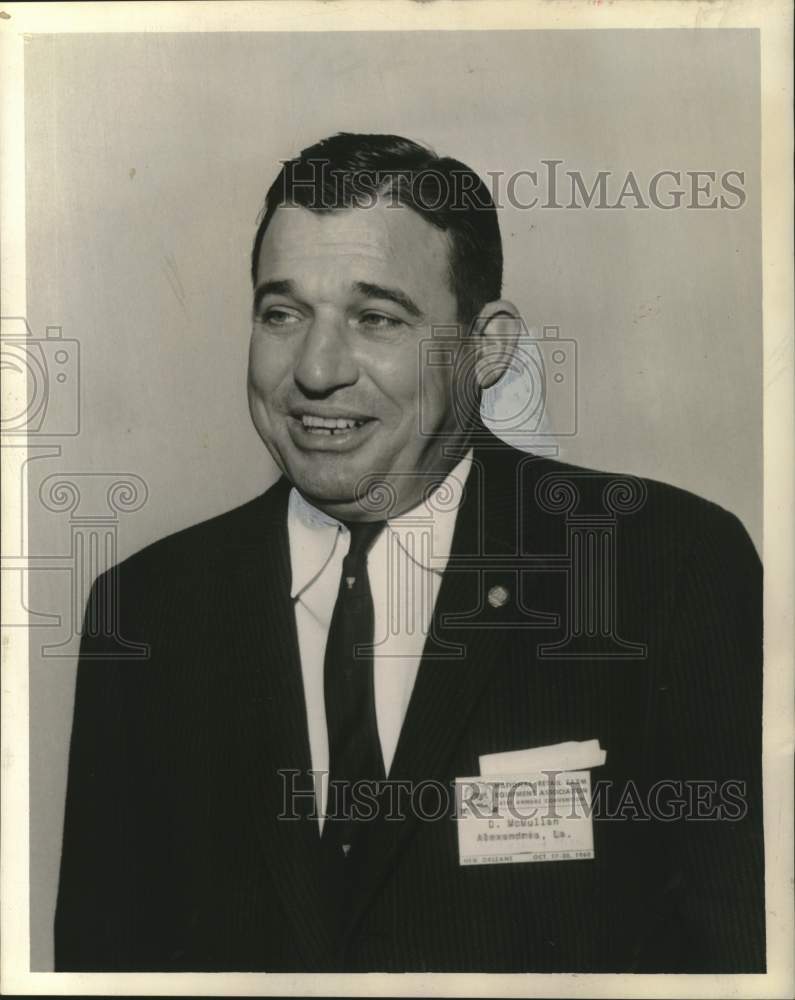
(498, 596)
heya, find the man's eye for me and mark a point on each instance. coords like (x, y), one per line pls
(379, 321)
(279, 317)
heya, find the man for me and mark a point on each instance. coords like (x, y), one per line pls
(411, 595)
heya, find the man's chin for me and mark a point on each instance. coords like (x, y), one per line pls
(331, 489)
(345, 494)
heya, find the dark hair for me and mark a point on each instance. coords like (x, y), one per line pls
(349, 170)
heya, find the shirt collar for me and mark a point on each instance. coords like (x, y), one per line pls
(313, 538)
(425, 533)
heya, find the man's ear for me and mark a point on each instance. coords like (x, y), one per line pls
(498, 327)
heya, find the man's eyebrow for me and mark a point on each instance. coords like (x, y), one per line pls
(275, 287)
(390, 294)
(286, 287)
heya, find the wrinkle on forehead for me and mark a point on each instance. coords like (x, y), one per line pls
(316, 249)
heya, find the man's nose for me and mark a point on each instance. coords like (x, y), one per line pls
(325, 362)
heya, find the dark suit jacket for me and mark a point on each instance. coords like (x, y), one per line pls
(173, 858)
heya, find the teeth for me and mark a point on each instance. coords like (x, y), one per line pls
(328, 425)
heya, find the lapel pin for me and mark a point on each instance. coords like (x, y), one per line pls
(498, 596)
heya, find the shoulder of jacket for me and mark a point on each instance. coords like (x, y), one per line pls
(204, 544)
(671, 515)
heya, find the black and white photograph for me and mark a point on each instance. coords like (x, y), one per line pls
(397, 507)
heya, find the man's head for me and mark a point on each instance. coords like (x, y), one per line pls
(367, 244)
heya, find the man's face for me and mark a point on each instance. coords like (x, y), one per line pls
(342, 301)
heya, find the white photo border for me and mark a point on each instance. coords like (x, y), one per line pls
(773, 20)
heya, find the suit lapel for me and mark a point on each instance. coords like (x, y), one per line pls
(272, 731)
(457, 653)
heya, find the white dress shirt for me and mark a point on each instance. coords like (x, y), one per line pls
(405, 568)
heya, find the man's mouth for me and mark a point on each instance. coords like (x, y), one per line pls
(331, 426)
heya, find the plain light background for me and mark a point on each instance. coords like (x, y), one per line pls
(148, 157)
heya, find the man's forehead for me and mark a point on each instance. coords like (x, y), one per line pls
(382, 232)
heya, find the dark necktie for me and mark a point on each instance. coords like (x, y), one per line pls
(354, 747)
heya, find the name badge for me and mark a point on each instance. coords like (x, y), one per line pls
(514, 818)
